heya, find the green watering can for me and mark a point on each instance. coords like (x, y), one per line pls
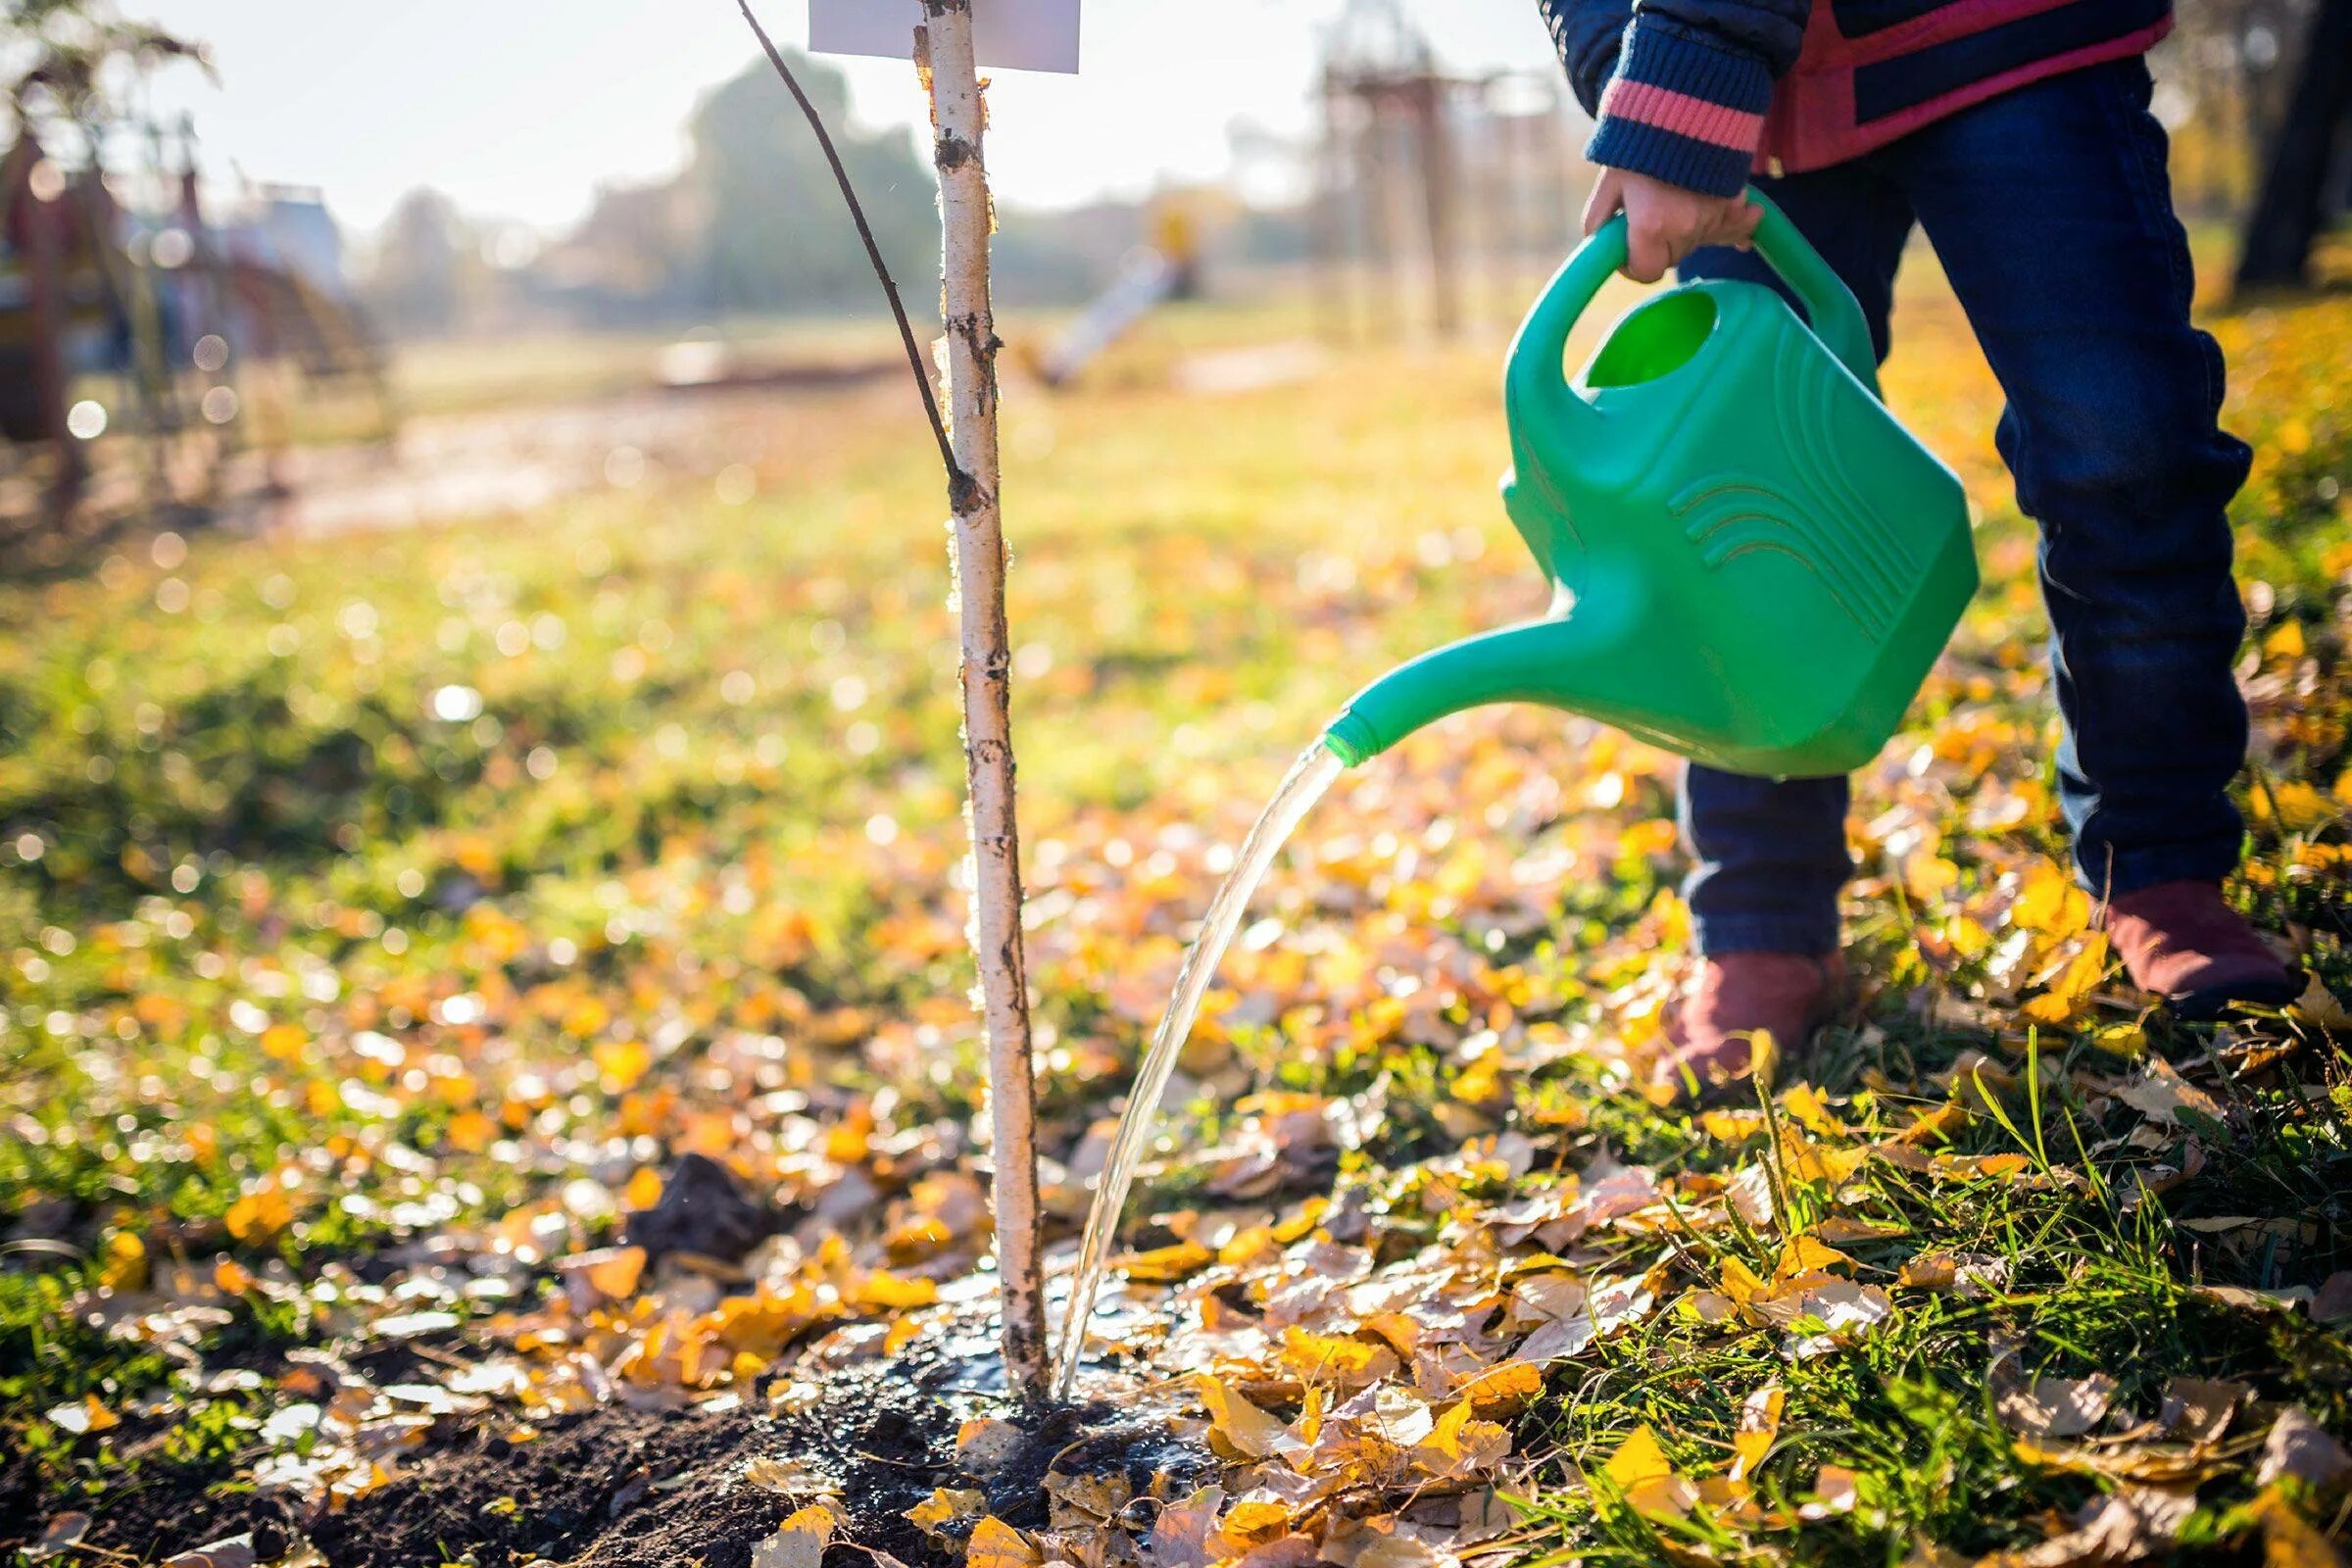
(1753, 563)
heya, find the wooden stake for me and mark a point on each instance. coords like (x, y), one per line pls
(958, 118)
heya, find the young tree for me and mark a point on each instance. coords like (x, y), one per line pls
(944, 54)
(959, 117)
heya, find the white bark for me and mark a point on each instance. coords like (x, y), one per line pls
(959, 117)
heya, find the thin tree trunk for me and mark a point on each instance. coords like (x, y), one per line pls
(958, 118)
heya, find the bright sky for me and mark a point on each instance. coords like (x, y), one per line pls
(518, 108)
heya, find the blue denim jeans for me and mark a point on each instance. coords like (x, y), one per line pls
(2051, 212)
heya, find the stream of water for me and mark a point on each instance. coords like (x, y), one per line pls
(1304, 784)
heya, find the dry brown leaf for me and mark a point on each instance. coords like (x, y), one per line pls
(1836, 1490)
(986, 1443)
(1377, 1543)
(2161, 1093)
(63, 1532)
(1988, 1167)
(600, 1279)
(1248, 1521)
(1180, 1537)
(232, 1552)
(1935, 1125)
(1242, 1426)
(2249, 1299)
(1734, 1126)
(1545, 1299)
(2195, 1410)
(2332, 1303)
(788, 1477)
(2057, 1408)
(2301, 1449)
(1826, 1316)
(2154, 1465)
(1750, 1196)
(1741, 1284)
(1969, 1274)
(1806, 1161)
(1503, 1388)
(1085, 1502)
(2318, 1006)
(1482, 1516)
(1706, 1306)
(2128, 1525)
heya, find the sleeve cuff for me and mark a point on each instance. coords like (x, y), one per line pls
(1682, 111)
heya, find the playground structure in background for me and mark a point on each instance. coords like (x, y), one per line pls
(183, 328)
(1460, 190)
(1165, 271)
(1433, 198)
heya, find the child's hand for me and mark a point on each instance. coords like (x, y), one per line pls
(1666, 222)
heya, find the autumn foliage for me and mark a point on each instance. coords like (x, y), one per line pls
(396, 926)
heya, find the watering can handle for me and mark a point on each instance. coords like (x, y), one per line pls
(1835, 315)
(1535, 380)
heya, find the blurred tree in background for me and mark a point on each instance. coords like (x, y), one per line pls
(772, 236)
(60, 59)
(751, 225)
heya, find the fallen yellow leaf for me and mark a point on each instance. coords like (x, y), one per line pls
(997, 1544)
(799, 1540)
(1759, 1427)
(1330, 1359)
(1641, 1471)
(1165, 1265)
(1249, 1430)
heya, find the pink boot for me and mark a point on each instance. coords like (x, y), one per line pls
(2182, 941)
(1732, 1000)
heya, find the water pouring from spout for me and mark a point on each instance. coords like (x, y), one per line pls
(1751, 564)
(1309, 776)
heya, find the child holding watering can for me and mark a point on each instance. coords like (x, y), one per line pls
(2015, 135)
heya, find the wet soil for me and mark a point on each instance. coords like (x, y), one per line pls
(619, 1488)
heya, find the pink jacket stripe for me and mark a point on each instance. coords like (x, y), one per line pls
(1681, 112)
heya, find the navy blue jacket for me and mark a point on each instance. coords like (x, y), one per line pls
(1701, 92)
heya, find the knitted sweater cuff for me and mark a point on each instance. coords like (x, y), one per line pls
(1687, 111)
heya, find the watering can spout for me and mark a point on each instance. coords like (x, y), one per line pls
(1578, 662)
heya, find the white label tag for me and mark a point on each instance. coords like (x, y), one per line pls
(1010, 35)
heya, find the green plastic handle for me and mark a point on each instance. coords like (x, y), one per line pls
(1535, 380)
(1837, 316)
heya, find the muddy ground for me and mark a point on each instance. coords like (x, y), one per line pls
(622, 1488)
(617, 1487)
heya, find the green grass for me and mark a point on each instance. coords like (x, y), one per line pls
(359, 890)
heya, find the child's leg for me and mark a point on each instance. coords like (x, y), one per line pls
(2051, 212)
(1771, 854)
